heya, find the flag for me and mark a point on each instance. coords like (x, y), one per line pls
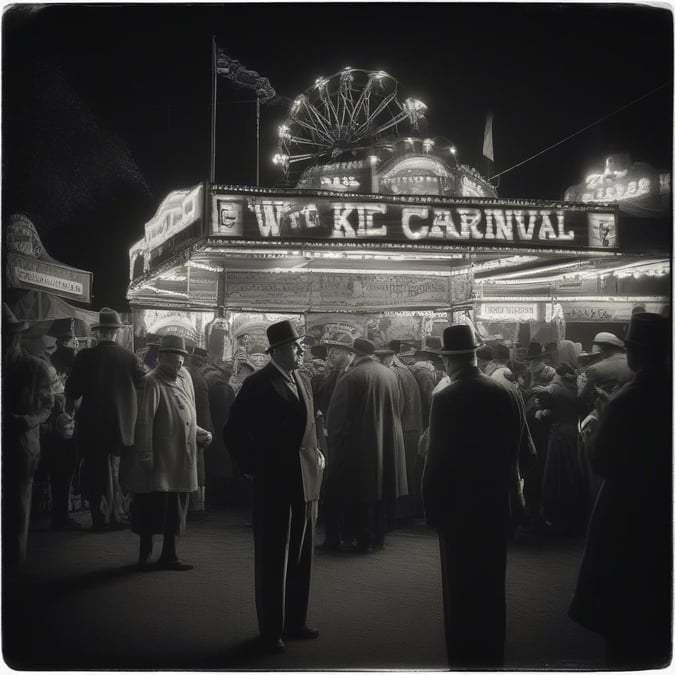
(241, 75)
(488, 150)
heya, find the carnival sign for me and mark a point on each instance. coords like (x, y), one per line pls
(28, 265)
(338, 219)
(61, 280)
(636, 186)
(334, 291)
(527, 311)
(176, 223)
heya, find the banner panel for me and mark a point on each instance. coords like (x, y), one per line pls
(338, 218)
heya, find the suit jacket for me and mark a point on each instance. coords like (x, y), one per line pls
(271, 434)
(201, 387)
(625, 580)
(474, 436)
(106, 377)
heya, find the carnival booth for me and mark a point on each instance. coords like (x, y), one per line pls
(385, 234)
(39, 288)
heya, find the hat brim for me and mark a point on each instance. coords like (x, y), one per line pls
(96, 326)
(283, 342)
(384, 352)
(441, 352)
(173, 350)
(330, 343)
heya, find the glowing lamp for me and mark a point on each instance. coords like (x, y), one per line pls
(414, 105)
(373, 159)
(453, 150)
(283, 131)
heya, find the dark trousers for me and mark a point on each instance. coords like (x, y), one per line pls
(18, 469)
(283, 530)
(474, 604)
(62, 461)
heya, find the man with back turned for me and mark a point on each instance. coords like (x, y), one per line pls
(272, 436)
(475, 431)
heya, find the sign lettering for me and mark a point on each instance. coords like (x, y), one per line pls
(269, 218)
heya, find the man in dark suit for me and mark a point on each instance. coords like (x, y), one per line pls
(475, 431)
(625, 584)
(106, 377)
(272, 436)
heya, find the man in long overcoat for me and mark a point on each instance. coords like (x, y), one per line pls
(365, 438)
(106, 377)
(28, 397)
(624, 590)
(413, 425)
(163, 467)
(475, 430)
(271, 434)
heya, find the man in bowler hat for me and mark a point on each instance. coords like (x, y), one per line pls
(106, 377)
(624, 590)
(475, 430)
(271, 434)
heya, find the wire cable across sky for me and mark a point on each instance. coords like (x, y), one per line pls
(576, 133)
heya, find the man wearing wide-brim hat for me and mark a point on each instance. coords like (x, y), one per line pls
(107, 378)
(163, 468)
(271, 434)
(28, 397)
(339, 355)
(367, 467)
(624, 589)
(475, 433)
(610, 371)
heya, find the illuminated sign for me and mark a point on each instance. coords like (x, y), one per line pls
(61, 280)
(269, 217)
(621, 181)
(471, 188)
(508, 312)
(177, 221)
(339, 182)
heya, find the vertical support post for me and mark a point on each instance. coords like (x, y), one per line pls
(214, 91)
(257, 141)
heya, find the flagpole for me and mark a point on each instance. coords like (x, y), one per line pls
(214, 86)
(257, 140)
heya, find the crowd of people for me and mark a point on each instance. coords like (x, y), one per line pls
(481, 439)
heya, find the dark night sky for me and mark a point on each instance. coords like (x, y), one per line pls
(107, 108)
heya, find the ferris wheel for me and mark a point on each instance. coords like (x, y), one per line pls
(348, 111)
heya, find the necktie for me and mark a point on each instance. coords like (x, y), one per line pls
(290, 380)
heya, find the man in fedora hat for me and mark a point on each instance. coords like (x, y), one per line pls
(272, 436)
(163, 467)
(624, 588)
(106, 377)
(28, 397)
(466, 490)
(365, 438)
(610, 372)
(339, 355)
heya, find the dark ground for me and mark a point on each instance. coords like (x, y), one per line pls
(81, 604)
